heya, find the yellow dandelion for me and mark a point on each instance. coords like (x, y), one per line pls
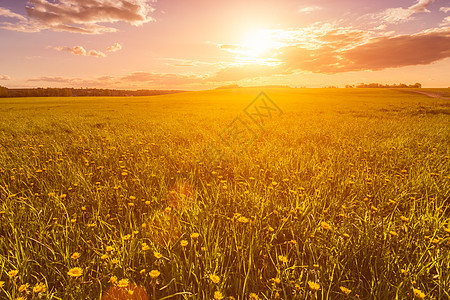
(276, 280)
(126, 237)
(253, 296)
(325, 226)
(345, 290)
(218, 295)
(2, 284)
(12, 273)
(130, 292)
(123, 283)
(39, 288)
(283, 259)
(418, 293)
(242, 219)
(132, 198)
(75, 255)
(346, 235)
(393, 233)
(145, 247)
(403, 271)
(157, 255)
(109, 248)
(314, 286)
(75, 272)
(184, 243)
(23, 287)
(21, 298)
(104, 256)
(114, 261)
(154, 274)
(113, 279)
(404, 219)
(195, 235)
(214, 278)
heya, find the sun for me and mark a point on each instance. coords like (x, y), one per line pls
(260, 43)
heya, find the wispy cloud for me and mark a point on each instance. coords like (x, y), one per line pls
(445, 22)
(445, 9)
(4, 12)
(162, 79)
(114, 48)
(309, 9)
(5, 77)
(79, 16)
(80, 50)
(400, 15)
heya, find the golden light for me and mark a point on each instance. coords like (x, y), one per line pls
(260, 43)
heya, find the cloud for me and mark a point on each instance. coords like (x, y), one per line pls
(80, 16)
(309, 9)
(4, 12)
(400, 15)
(445, 22)
(114, 48)
(55, 79)
(329, 50)
(80, 50)
(444, 9)
(5, 77)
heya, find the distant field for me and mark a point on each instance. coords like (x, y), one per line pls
(346, 188)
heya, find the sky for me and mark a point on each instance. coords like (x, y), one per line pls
(203, 44)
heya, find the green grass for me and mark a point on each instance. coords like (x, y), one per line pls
(81, 174)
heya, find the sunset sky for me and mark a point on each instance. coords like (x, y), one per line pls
(202, 44)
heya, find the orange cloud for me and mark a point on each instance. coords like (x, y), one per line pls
(162, 79)
(400, 15)
(5, 77)
(79, 50)
(114, 48)
(79, 16)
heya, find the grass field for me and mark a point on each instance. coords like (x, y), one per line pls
(345, 195)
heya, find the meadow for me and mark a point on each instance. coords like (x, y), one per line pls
(343, 195)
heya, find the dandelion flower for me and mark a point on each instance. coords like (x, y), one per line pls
(23, 287)
(218, 295)
(242, 219)
(404, 219)
(253, 296)
(123, 283)
(214, 278)
(75, 272)
(39, 288)
(393, 233)
(345, 290)
(113, 279)
(418, 293)
(12, 273)
(325, 226)
(126, 237)
(283, 259)
(114, 261)
(184, 243)
(145, 247)
(314, 286)
(2, 284)
(109, 248)
(154, 274)
(104, 256)
(195, 235)
(75, 255)
(157, 255)
(276, 280)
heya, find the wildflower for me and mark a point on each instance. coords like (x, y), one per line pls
(418, 293)
(214, 278)
(403, 271)
(123, 283)
(23, 287)
(109, 248)
(73, 221)
(2, 284)
(104, 256)
(283, 259)
(75, 255)
(184, 243)
(218, 295)
(346, 235)
(21, 298)
(345, 290)
(126, 237)
(157, 255)
(39, 288)
(325, 226)
(314, 286)
(276, 280)
(114, 261)
(195, 235)
(12, 273)
(132, 198)
(253, 296)
(75, 272)
(145, 247)
(404, 219)
(393, 233)
(154, 274)
(113, 279)
(242, 219)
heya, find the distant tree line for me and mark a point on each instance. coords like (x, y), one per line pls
(378, 85)
(71, 92)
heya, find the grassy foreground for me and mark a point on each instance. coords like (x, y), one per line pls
(343, 196)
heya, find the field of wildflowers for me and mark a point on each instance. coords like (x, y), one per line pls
(345, 195)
